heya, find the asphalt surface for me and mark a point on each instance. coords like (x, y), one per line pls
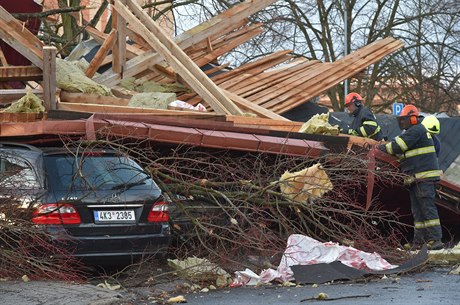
(55, 293)
(427, 288)
(430, 287)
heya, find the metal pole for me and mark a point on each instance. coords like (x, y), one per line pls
(345, 31)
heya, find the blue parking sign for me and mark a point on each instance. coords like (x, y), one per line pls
(397, 108)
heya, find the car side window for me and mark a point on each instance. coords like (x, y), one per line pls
(16, 172)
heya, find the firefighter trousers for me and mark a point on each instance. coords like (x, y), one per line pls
(427, 225)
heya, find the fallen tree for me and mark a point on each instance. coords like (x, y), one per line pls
(238, 215)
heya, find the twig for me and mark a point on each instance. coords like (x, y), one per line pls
(338, 298)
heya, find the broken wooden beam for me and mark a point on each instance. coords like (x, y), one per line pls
(226, 21)
(182, 64)
(20, 38)
(105, 48)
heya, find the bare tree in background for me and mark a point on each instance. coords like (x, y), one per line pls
(425, 72)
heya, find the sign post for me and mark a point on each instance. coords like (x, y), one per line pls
(397, 108)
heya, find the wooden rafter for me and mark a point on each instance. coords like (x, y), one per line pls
(226, 21)
(20, 73)
(169, 50)
(20, 38)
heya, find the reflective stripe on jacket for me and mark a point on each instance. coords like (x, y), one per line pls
(365, 125)
(417, 151)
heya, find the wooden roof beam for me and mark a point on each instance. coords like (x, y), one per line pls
(344, 68)
(265, 81)
(20, 73)
(20, 38)
(176, 58)
(226, 21)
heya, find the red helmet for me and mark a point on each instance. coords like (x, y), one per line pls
(352, 97)
(409, 110)
(408, 117)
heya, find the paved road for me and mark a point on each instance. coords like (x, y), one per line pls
(427, 288)
(54, 293)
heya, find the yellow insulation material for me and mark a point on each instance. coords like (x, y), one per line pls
(155, 100)
(309, 183)
(70, 76)
(28, 103)
(319, 124)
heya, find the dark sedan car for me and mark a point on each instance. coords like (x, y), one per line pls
(99, 202)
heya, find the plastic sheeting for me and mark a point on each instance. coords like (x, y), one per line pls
(304, 250)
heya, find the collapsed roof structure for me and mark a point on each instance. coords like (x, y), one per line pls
(264, 89)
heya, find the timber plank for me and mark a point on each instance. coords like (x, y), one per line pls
(13, 32)
(20, 43)
(119, 48)
(260, 111)
(49, 77)
(203, 47)
(313, 81)
(98, 59)
(243, 79)
(235, 81)
(264, 123)
(254, 75)
(343, 69)
(86, 98)
(11, 95)
(218, 51)
(177, 58)
(96, 108)
(288, 87)
(252, 65)
(21, 73)
(268, 79)
(3, 60)
(228, 20)
(131, 50)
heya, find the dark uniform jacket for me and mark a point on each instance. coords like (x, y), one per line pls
(417, 153)
(365, 125)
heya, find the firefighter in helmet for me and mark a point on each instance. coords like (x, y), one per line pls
(418, 160)
(364, 122)
(433, 126)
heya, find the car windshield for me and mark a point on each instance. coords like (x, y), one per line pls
(92, 172)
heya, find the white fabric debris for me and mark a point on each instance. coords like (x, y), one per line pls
(246, 278)
(304, 250)
(185, 105)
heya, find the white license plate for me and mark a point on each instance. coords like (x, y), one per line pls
(115, 216)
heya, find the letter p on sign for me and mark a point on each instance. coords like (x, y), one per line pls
(397, 108)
